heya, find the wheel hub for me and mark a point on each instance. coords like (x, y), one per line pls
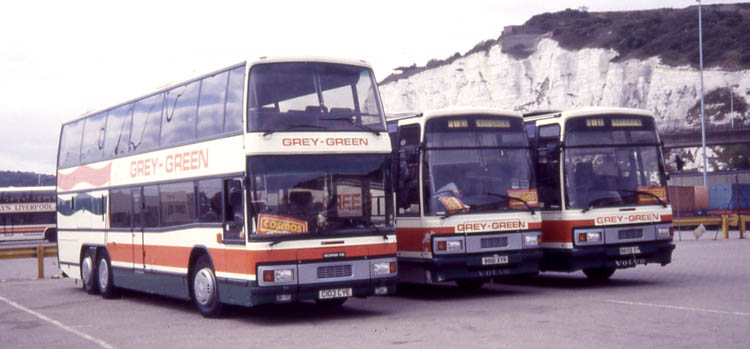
(204, 286)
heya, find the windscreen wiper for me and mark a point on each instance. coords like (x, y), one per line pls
(645, 193)
(461, 211)
(596, 202)
(292, 127)
(344, 118)
(531, 209)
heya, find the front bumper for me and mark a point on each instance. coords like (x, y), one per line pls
(608, 256)
(451, 268)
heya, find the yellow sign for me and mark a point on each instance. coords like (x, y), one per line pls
(594, 122)
(269, 224)
(493, 124)
(452, 204)
(528, 195)
(458, 123)
(659, 191)
(627, 122)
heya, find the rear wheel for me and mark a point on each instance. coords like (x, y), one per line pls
(599, 274)
(205, 290)
(50, 235)
(88, 272)
(470, 284)
(105, 282)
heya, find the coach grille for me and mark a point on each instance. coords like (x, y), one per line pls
(630, 234)
(494, 242)
(335, 271)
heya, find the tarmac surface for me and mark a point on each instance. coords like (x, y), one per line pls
(700, 300)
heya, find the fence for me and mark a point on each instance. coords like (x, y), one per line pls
(38, 252)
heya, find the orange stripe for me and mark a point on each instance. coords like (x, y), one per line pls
(239, 261)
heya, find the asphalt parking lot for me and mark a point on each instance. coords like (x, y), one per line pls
(700, 300)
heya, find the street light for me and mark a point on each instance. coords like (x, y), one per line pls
(703, 111)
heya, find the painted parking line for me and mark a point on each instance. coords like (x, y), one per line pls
(98, 341)
(676, 307)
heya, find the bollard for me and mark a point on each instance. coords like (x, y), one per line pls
(40, 261)
(725, 226)
(743, 221)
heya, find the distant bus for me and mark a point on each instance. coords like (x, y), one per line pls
(264, 182)
(603, 190)
(28, 213)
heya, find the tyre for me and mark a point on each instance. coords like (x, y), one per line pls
(88, 271)
(50, 235)
(470, 284)
(204, 288)
(331, 303)
(599, 274)
(105, 281)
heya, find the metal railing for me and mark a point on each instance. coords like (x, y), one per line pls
(38, 252)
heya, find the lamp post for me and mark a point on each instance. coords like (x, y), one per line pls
(703, 112)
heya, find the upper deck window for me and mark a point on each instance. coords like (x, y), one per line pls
(313, 97)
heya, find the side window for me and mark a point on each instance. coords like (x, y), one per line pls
(209, 201)
(93, 138)
(211, 105)
(233, 115)
(548, 166)
(121, 207)
(234, 213)
(407, 171)
(177, 203)
(70, 145)
(144, 134)
(180, 111)
(151, 206)
(117, 138)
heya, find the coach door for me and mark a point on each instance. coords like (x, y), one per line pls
(137, 230)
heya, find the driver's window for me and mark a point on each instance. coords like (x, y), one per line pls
(234, 212)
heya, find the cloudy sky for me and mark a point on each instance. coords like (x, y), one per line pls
(59, 59)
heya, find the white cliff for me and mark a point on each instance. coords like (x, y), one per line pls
(555, 78)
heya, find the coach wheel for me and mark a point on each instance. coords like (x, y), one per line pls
(599, 274)
(50, 235)
(105, 282)
(331, 303)
(205, 288)
(88, 272)
(470, 285)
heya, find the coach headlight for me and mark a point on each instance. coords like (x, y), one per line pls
(589, 236)
(664, 232)
(531, 240)
(383, 268)
(276, 275)
(449, 245)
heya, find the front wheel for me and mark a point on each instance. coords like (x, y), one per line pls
(106, 284)
(205, 290)
(88, 272)
(599, 274)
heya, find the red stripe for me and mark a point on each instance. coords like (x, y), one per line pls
(417, 239)
(96, 177)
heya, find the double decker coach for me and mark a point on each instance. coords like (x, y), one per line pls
(602, 183)
(465, 197)
(27, 213)
(264, 182)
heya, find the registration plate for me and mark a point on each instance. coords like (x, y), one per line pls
(629, 250)
(491, 260)
(335, 293)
